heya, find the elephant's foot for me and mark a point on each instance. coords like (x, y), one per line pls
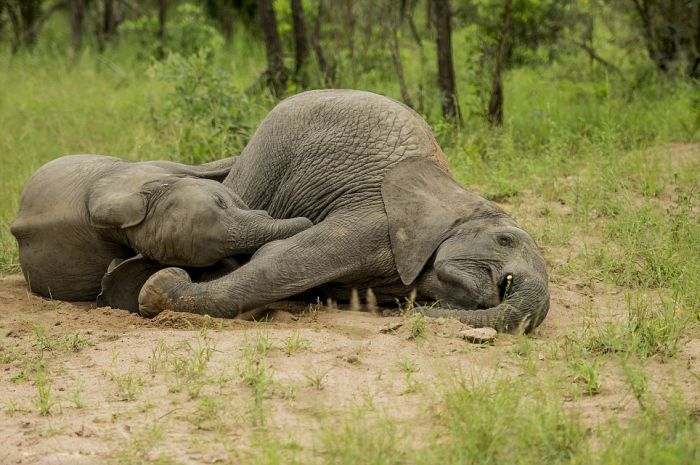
(157, 294)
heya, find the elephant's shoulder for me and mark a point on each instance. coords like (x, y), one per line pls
(420, 162)
(440, 160)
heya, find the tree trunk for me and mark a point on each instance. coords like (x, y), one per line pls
(162, 18)
(650, 39)
(24, 33)
(30, 11)
(77, 17)
(397, 16)
(327, 74)
(16, 28)
(495, 111)
(695, 66)
(301, 43)
(349, 21)
(23, 16)
(227, 21)
(120, 13)
(162, 11)
(410, 9)
(276, 72)
(441, 15)
(396, 57)
(109, 23)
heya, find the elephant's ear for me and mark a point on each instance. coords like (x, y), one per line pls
(423, 203)
(123, 281)
(119, 200)
(116, 209)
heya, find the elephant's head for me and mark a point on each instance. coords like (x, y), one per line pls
(462, 251)
(184, 219)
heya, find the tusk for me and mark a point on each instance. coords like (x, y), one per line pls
(509, 282)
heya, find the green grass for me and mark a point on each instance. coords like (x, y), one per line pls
(73, 342)
(255, 372)
(188, 365)
(586, 377)
(44, 399)
(416, 325)
(646, 330)
(128, 385)
(316, 378)
(493, 421)
(294, 343)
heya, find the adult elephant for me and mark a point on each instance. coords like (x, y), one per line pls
(387, 215)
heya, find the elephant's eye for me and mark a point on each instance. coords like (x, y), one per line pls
(221, 202)
(505, 240)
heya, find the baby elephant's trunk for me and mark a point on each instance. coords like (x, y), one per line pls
(257, 228)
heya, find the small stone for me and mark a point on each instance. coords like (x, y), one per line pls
(390, 328)
(479, 335)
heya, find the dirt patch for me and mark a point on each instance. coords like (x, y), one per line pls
(114, 389)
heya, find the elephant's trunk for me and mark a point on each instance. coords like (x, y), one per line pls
(247, 235)
(521, 311)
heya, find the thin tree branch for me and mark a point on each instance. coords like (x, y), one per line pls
(34, 28)
(594, 55)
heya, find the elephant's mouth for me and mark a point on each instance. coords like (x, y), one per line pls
(505, 287)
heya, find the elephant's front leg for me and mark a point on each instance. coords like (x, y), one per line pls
(341, 246)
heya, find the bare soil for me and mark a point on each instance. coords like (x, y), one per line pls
(350, 357)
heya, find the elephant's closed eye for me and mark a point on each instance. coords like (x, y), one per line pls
(505, 240)
(220, 201)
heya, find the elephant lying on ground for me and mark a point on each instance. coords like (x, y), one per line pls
(387, 215)
(78, 213)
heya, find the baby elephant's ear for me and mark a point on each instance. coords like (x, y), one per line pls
(118, 200)
(117, 210)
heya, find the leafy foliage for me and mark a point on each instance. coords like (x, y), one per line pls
(187, 33)
(202, 109)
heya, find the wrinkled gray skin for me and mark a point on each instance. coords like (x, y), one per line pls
(78, 213)
(387, 215)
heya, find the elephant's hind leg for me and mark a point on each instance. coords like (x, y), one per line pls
(339, 248)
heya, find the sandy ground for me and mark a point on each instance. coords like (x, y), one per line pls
(348, 358)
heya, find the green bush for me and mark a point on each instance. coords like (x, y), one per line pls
(186, 34)
(205, 115)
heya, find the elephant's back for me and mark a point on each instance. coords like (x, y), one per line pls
(323, 150)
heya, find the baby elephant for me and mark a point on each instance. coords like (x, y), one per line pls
(78, 213)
